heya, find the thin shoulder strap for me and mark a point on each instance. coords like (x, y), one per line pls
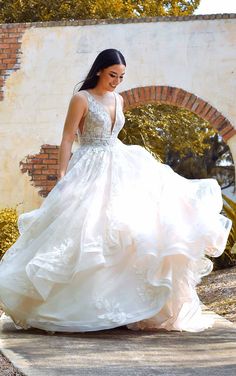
(118, 100)
(88, 96)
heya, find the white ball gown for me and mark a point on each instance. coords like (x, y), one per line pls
(120, 240)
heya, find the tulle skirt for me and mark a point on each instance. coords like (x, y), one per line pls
(120, 240)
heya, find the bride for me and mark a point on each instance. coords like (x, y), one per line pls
(121, 239)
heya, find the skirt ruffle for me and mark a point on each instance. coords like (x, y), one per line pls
(120, 240)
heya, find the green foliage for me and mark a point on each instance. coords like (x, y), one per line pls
(8, 229)
(165, 130)
(228, 258)
(55, 10)
(230, 211)
(180, 139)
(191, 147)
(216, 161)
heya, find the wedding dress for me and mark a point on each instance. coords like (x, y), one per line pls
(120, 240)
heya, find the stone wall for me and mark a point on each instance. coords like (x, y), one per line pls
(185, 61)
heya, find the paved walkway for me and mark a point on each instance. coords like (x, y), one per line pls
(121, 352)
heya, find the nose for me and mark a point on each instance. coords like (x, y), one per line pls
(116, 80)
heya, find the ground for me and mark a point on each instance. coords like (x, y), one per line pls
(217, 291)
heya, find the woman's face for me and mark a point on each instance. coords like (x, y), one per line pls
(111, 77)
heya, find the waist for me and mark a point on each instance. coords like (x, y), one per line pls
(94, 141)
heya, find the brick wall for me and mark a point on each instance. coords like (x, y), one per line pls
(11, 34)
(42, 168)
(10, 44)
(181, 98)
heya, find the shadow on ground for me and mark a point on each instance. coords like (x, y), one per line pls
(121, 352)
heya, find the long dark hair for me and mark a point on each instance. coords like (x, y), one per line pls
(105, 59)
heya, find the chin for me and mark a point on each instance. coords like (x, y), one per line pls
(111, 88)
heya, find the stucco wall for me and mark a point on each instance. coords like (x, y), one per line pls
(197, 55)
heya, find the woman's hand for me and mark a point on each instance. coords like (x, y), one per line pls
(60, 175)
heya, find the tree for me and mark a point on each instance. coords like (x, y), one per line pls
(180, 139)
(55, 10)
(191, 147)
(216, 162)
(166, 131)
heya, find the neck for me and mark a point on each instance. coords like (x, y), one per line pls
(100, 91)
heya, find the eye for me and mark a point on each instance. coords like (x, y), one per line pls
(112, 75)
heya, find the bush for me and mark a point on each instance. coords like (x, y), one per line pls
(8, 229)
(228, 258)
(9, 234)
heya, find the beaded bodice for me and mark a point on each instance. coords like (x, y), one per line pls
(98, 128)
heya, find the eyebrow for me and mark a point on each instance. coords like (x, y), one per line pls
(117, 73)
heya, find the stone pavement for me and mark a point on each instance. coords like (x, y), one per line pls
(121, 352)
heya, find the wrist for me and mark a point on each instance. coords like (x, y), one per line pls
(61, 174)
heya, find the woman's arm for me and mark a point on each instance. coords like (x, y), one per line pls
(77, 110)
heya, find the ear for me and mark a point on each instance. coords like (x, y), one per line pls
(98, 73)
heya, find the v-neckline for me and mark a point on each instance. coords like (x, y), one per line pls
(105, 109)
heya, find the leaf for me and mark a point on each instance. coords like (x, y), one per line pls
(56, 10)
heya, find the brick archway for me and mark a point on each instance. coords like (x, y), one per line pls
(181, 98)
(42, 167)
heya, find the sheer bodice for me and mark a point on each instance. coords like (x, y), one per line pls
(120, 240)
(98, 128)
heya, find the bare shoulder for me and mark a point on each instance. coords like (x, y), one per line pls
(80, 97)
(79, 101)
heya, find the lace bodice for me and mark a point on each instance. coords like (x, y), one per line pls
(98, 128)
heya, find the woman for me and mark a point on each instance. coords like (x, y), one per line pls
(121, 239)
